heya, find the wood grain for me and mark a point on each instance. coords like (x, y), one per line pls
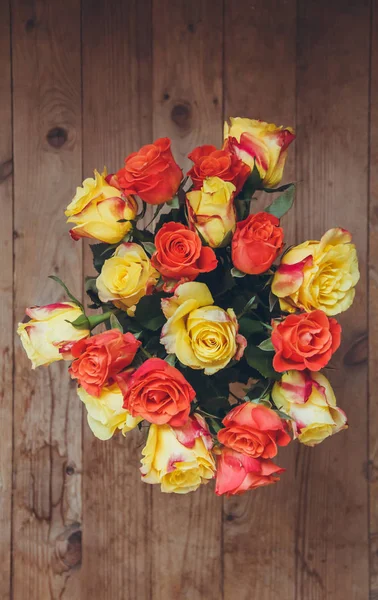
(259, 528)
(6, 303)
(47, 412)
(372, 467)
(117, 83)
(187, 106)
(332, 158)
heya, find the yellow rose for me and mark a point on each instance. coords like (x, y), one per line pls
(201, 335)
(105, 413)
(97, 210)
(262, 144)
(126, 276)
(309, 400)
(176, 467)
(211, 211)
(318, 275)
(48, 332)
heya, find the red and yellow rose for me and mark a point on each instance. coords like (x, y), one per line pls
(211, 162)
(254, 430)
(259, 144)
(256, 243)
(305, 341)
(151, 173)
(180, 255)
(237, 473)
(157, 392)
(98, 359)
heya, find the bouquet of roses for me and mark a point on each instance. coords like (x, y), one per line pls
(198, 305)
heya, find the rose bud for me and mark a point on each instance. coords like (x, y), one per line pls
(210, 162)
(259, 144)
(49, 331)
(237, 473)
(211, 211)
(309, 400)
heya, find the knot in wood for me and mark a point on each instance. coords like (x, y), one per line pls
(181, 115)
(57, 136)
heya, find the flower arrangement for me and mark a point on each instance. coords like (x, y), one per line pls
(198, 305)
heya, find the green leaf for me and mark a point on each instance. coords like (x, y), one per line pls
(266, 345)
(236, 273)
(174, 203)
(272, 301)
(149, 247)
(283, 415)
(282, 188)
(148, 312)
(261, 361)
(71, 296)
(101, 252)
(171, 359)
(114, 323)
(80, 323)
(283, 203)
(249, 326)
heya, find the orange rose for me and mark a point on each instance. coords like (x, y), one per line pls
(254, 430)
(100, 357)
(158, 393)
(305, 341)
(238, 473)
(210, 162)
(180, 255)
(257, 242)
(151, 173)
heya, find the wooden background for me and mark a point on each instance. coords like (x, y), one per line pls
(82, 85)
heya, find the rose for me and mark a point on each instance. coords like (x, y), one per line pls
(180, 255)
(211, 211)
(201, 335)
(254, 430)
(256, 243)
(210, 162)
(158, 393)
(100, 211)
(259, 144)
(305, 341)
(177, 467)
(318, 275)
(126, 277)
(49, 330)
(101, 357)
(237, 473)
(151, 173)
(309, 400)
(105, 413)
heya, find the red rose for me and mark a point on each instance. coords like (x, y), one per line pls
(101, 357)
(157, 392)
(254, 430)
(151, 173)
(180, 255)
(257, 242)
(305, 341)
(237, 473)
(210, 162)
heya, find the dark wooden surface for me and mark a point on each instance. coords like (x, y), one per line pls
(82, 85)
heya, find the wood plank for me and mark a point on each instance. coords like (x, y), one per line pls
(117, 120)
(187, 107)
(47, 413)
(332, 158)
(373, 308)
(259, 527)
(6, 303)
